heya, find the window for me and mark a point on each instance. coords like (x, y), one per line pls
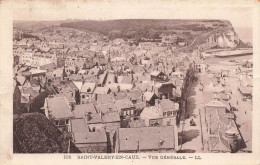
(67, 121)
(171, 112)
(136, 112)
(164, 113)
(57, 122)
(83, 96)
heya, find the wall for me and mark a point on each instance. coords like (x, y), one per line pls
(92, 148)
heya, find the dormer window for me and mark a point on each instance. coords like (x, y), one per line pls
(88, 90)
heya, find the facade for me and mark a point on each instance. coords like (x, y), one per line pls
(59, 111)
(86, 92)
(86, 140)
(164, 90)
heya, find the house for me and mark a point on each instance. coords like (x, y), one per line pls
(152, 116)
(105, 99)
(147, 140)
(201, 68)
(100, 91)
(94, 72)
(149, 98)
(86, 92)
(245, 91)
(215, 104)
(170, 111)
(107, 108)
(158, 76)
(58, 110)
(126, 108)
(86, 140)
(164, 90)
(48, 67)
(71, 92)
(135, 96)
(223, 134)
(111, 120)
(32, 98)
(80, 111)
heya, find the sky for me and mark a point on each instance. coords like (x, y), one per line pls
(104, 10)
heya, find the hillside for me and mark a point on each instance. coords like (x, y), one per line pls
(146, 28)
(34, 133)
(208, 33)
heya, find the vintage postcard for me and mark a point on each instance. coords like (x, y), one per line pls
(133, 82)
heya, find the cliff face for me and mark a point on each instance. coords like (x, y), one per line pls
(222, 39)
(226, 39)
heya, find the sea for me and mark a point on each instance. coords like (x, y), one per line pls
(245, 33)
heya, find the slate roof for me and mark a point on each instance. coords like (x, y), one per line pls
(86, 86)
(110, 117)
(82, 109)
(99, 136)
(146, 138)
(215, 103)
(78, 125)
(105, 108)
(124, 104)
(101, 90)
(134, 94)
(59, 108)
(151, 112)
(105, 98)
(148, 95)
(168, 105)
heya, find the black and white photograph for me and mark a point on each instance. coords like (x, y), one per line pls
(113, 84)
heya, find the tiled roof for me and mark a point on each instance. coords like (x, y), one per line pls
(105, 99)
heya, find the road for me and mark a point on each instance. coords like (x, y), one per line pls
(191, 135)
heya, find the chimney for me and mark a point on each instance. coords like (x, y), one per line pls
(157, 102)
(88, 116)
(72, 106)
(161, 142)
